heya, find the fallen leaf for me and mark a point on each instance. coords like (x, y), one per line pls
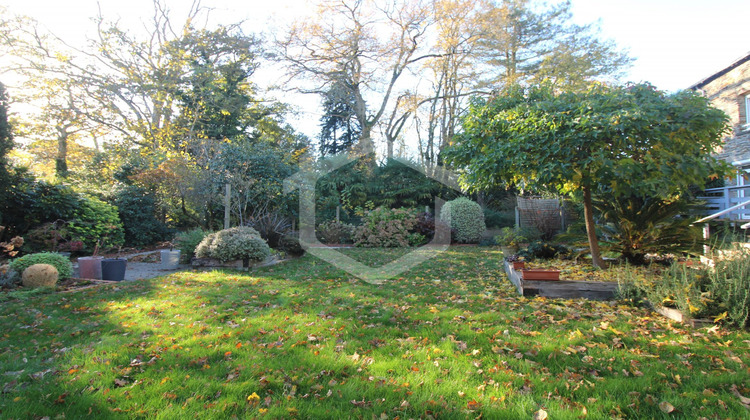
(666, 407)
(540, 415)
(743, 400)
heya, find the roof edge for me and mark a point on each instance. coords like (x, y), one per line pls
(725, 70)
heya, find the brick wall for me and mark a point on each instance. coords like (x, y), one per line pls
(727, 93)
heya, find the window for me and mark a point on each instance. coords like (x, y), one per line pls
(747, 112)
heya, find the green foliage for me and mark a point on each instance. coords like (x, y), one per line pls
(137, 210)
(466, 217)
(510, 237)
(498, 219)
(721, 291)
(290, 244)
(63, 265)
(386, 228)
(544, 250)
(633, 140)
(6, 144)
(238, 243)
(188, 241)
(335, 232)
(271, 226)
(362, 185)
(31, 203)
(635, 226)
(96, 223)
(8, 277)
(339, 128)
(730, 285)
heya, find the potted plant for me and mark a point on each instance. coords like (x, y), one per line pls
(114, 268)
(516, 261)
(509, 240)
(170, 259)
(91, 267)
(540, 274)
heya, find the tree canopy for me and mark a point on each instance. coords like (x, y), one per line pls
(632, 140)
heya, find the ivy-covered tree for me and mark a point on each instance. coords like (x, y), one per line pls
(633, 140)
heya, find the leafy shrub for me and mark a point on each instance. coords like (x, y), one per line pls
(238, 243)
(335, 232)
(635, 226)
(730, 285)
(32, 203)
(47, 237)
(188, 241)
(8, 276)
(499, 219)
(137, 210)
(466, 217)
(428, 226)
(544, 250)
(386, 228)
(510, 237)
(488, 241)
(290, 244)
(722, 291)
(96, 222)
(271, 227)
(63, 265)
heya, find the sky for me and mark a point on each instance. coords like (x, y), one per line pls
(676, 43)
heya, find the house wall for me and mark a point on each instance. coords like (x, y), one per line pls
(727, 93)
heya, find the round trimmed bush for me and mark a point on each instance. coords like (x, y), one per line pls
(62, 264)
(40, 275)
(238, 243)
(466, 218)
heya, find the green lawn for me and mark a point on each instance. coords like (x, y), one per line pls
(447, 340)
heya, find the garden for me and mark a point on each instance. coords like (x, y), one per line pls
(305, 339)
(163, 150)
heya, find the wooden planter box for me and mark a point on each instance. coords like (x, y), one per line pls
(518, 265)
(540, 274)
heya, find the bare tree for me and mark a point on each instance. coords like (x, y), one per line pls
(367, 47)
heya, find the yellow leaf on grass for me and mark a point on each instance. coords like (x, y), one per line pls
(253, 398)
(540, 415)
(720, 317)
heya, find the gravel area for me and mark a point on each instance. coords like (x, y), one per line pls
(142, 270)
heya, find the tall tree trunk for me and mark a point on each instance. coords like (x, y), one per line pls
(588, 215)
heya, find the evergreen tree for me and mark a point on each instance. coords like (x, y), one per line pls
(6, 144)
(339, 126)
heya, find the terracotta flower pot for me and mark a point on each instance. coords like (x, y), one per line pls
(90, 268)
(518, 265)
(540, 274)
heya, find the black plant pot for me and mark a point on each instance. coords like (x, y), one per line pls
(113, 269)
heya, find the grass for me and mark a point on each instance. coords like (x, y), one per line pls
(449, 339)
